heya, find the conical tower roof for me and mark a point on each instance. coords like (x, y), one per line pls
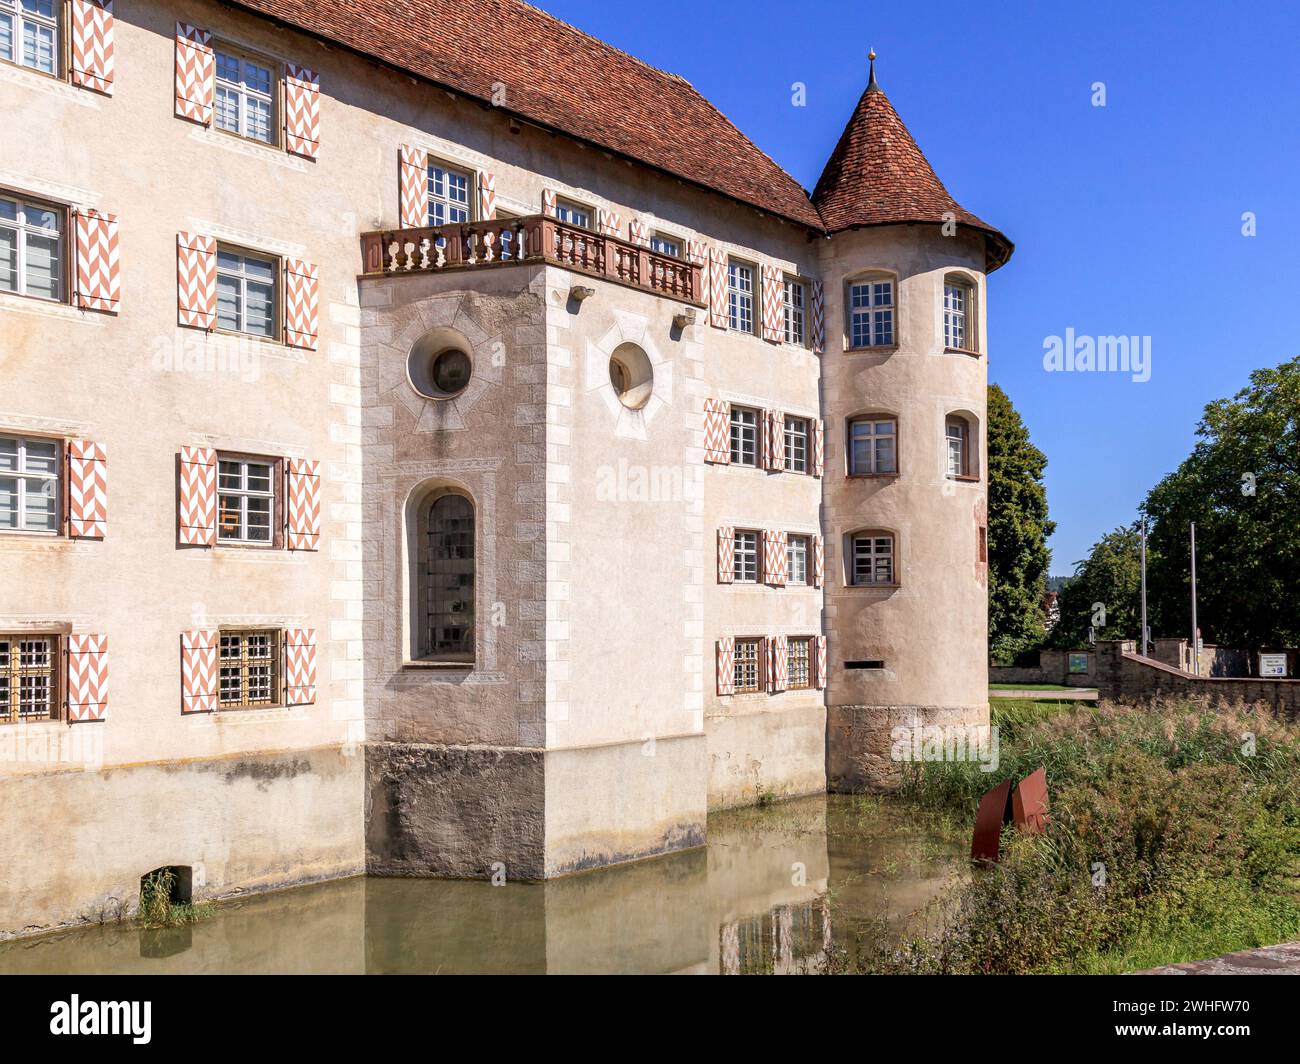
(878, 176)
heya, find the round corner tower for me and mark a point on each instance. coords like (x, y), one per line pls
(904, 377)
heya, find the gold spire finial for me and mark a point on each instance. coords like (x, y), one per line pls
(871, 84)
(872, 55)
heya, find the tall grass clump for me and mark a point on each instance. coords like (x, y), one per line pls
(157, 909)
(1175, 835)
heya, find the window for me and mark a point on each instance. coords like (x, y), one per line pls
(796, 444)
(31, 247)
(448, 580)
(448, 195)
(244, 100)
(246, 292)
(795, 291)
(745, 663)
(245, 500)
(798, 656)
(740, 297)
(28, 678)
(29, 485)
(666, 246)
(871, 314)
(873, 558)
(744, 436)
(248, 669)
(573, 214)
(29, 34)
(873, 446)
(796, 555)
(746, 557)
(958, 437)
(958, 319)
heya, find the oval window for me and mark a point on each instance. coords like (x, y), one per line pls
(631, 375)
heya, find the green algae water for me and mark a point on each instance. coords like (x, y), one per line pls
(775, 889)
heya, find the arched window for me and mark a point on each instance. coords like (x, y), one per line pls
(446, 576)
(959, 324)
(871, 559)
(961, 458)
(870, 303)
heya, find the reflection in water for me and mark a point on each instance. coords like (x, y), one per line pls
(775, 890)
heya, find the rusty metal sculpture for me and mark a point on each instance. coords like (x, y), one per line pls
(1026, 807)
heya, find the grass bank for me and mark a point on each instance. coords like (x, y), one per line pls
(1175, 836)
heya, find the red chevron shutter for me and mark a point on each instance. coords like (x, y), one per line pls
(774, 440)
(697, 252)
(199, 671)
(638, 233)
(726, 669)
(819, 663)
(87, 678)
(774, 558)
(196, 280)
(301, 111)
(99, 278)
(818, 318)
(87, 492)
(197, 510)
(773, 305)
(717, 288)
(780, 663)
(717, 431)
(300, 666)
(818, 561)
(548, 202)
(301, 304)
(818, 447)
(414, 187)
(487, 196)
(726, 555)
(302, 490)
(196, 74)
(607, 222)
(92, 44)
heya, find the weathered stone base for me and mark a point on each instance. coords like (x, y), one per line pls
(74, 844)
(766, 753)
(459, 811)
(859, 741)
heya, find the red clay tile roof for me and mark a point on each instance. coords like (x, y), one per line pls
(558, 77)
(878, 176)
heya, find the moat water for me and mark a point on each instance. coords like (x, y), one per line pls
(775, 888)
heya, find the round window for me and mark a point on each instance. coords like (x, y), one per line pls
(631, 375)
(438, 365)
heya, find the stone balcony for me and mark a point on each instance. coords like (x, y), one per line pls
(534, 239)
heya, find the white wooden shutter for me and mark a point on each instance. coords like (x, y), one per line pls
(414, 190)
(301, 304)
(91, 31)
(301, 111)
(726, 669)
(717, 431)
(196, 280)
(87, 677)
(818, 561)
(196, 74)
(199, 671)
(302, 512)
(197, 509)
(98, 275)
(487, 196)
(726, 555)
(717, 288)
(87, 492)
(300, 666)
(773, 304)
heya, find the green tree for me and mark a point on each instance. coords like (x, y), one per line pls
(1105, 593)
(1241, 485)
(1018, 531)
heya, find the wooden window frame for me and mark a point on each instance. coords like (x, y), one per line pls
(276, 335)
(739, 299)
(969, 315)
(423, 587)
(246, 662)
(563, 204)
(276, 495)
(664, 238)
(21, 230)
(14, 10)
(793, 311)
(12, 672)
(737, 662)
(732, 427)
(852, 558)
(787, 462)
(791, 643)
(432, 169)
(59, 477)
(870, 280)
(736, 578)
(850, 465)
(791, 539)
(275, 94)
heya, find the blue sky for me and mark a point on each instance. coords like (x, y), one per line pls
(1127, 218)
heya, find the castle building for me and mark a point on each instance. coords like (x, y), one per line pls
(414, 460)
